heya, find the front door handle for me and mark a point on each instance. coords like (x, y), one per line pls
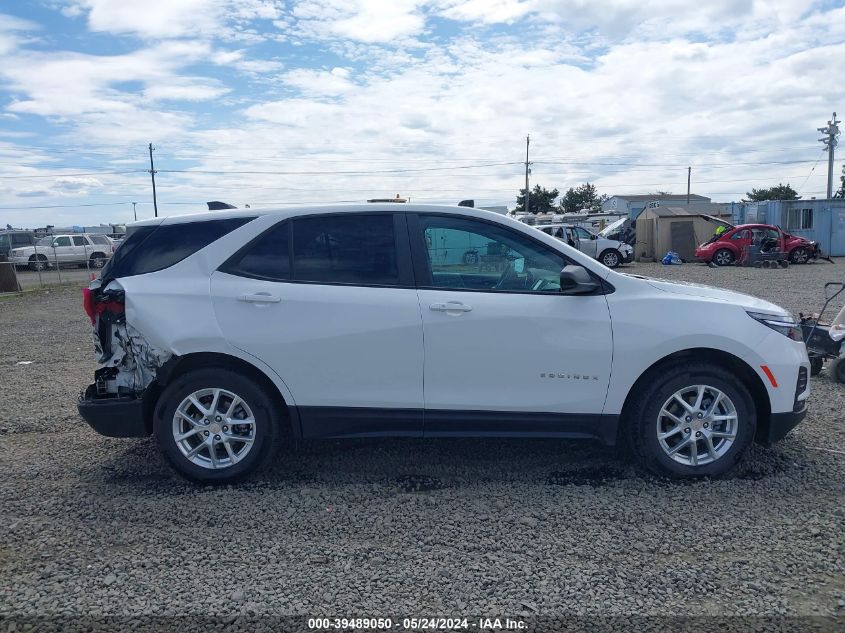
(450, 306)
(260, 297)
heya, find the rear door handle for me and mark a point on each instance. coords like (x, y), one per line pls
(260, 297)
(450, 306)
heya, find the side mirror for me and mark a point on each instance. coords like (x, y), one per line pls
(55, 243)
(593, 236)
(575, 280)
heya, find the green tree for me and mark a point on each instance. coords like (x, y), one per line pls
(780, 192)
(581, 197)
(841, 192)
(541, 200)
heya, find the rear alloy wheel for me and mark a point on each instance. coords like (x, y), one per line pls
(216, 426)
(723, 257)
(611, 258)
(693, 420)
(799, 255)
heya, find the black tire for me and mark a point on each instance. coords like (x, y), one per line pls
(611, 258)
(98, 260)
(264, 410)
(838, 370)
(38, 263)
(799, 256)
(642, 415)
(723, 257)
(816, 364)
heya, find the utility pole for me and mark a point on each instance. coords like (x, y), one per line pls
(134, 212)
(689, 179)
(153, 176)
(832, 131)
(527, 171)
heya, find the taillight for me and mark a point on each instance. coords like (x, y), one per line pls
(94, 308)
(88, 304)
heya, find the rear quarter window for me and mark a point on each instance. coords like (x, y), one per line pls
(148, 249)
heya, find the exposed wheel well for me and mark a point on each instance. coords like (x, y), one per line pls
(746, 374)
(179, 365)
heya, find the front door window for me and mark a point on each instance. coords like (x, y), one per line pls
(472, 255)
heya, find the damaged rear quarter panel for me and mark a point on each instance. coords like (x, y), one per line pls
(172, 311)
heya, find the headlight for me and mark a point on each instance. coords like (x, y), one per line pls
(786, 325)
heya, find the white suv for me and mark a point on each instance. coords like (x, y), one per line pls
(80, 249)
(224, 333)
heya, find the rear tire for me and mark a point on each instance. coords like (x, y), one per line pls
(728, 429)
(222, 425)
(723, 257)
(98, 260)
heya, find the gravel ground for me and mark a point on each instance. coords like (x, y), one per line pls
(98, 526)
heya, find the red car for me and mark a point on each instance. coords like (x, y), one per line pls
(727, 248)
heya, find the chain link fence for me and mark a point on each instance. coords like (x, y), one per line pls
(51, 266)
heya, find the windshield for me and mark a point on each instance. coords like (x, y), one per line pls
(612, 227)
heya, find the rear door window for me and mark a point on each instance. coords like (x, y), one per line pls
(345, 249)
(78, 240)
(99, 239)
(267, 257)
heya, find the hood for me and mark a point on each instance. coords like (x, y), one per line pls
(744, 301)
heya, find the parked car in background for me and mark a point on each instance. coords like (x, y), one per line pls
(225, 334)
(727, 248)
(15, 239)
(79, 249)
(611, 253)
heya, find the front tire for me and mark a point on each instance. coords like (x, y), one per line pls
(611, 258)
(37, 263)
(723, 257)
(692, 420)
(216, 426)
(98, 260)
(799, 255)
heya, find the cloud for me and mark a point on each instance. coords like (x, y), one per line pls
(161, 19)
(319, 83)
(64, 84)
(359, 20)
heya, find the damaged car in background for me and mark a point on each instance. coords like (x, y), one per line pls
(225, 334)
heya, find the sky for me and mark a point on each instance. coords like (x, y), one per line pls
(279, 102)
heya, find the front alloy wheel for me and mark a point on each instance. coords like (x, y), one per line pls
(611, 258)
(723, 257)
(691, 419)
(697, 425)
(800, 256)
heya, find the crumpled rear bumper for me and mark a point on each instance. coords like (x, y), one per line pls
(122, 416)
